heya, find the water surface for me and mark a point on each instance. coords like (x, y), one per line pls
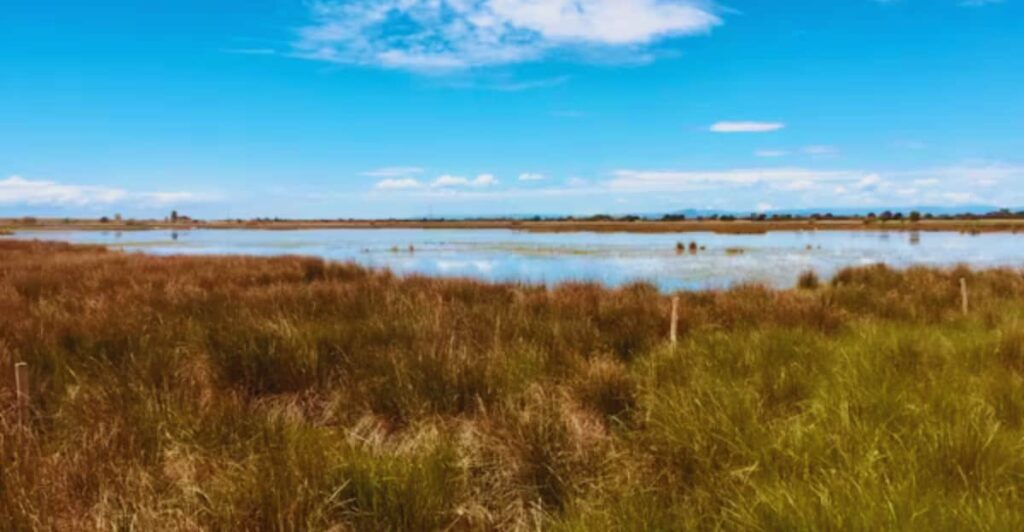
(775, 258)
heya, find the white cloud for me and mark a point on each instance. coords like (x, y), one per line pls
(484, 180)
(734, 188)
(397, 184)
(394, 171)
(450, 181)
(640, 180)
(454, 34)
(158, 199)
(612, 22)
(869, 181)
(16, 190)
(746, 127)
(974, 174)
(531, 177)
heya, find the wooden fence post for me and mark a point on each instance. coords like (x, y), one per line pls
(22, 387)
(673, 330)
(963, 295)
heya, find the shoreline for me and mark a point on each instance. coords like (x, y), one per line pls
(987, 225)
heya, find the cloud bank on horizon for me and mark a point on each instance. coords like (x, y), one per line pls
(17, 190)
(751, 189)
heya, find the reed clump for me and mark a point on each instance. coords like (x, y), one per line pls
(238, 393)
(808, 280)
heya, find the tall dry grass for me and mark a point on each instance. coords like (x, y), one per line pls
(234, 393)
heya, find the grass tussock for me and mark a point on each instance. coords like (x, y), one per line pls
(233, 393)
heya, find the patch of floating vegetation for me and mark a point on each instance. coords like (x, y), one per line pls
(520, 249)
(142, 245)
(740, 230)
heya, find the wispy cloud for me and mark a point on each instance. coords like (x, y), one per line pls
(430, 35)
(16, 190)
(160, 199)
(531, 177)
(670, 180)
(771, 153)
(745, 127)
(450, 181)
(993, 183)
(397, 184)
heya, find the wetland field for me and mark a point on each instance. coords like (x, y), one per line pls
(212, 388)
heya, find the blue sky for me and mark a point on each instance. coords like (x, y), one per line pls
(471, 107)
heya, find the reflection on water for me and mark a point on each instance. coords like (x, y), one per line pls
(710, 260)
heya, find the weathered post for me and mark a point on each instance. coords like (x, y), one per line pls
(963, 295)
(21, 385)
(674, 328)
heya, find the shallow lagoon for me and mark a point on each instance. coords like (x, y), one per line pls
(774, 258)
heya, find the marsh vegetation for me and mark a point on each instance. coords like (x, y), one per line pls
(239, 393)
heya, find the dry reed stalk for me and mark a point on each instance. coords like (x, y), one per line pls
(964, 302)
(674, 328)
(21, 384)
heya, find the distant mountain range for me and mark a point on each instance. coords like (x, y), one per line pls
(848, 211)
(933, 210)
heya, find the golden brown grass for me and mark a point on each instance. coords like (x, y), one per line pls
(234, 393)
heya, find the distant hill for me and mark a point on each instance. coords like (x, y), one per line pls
(934, 210)
(848, 211)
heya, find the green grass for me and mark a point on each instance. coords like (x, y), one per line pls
(231, 393)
